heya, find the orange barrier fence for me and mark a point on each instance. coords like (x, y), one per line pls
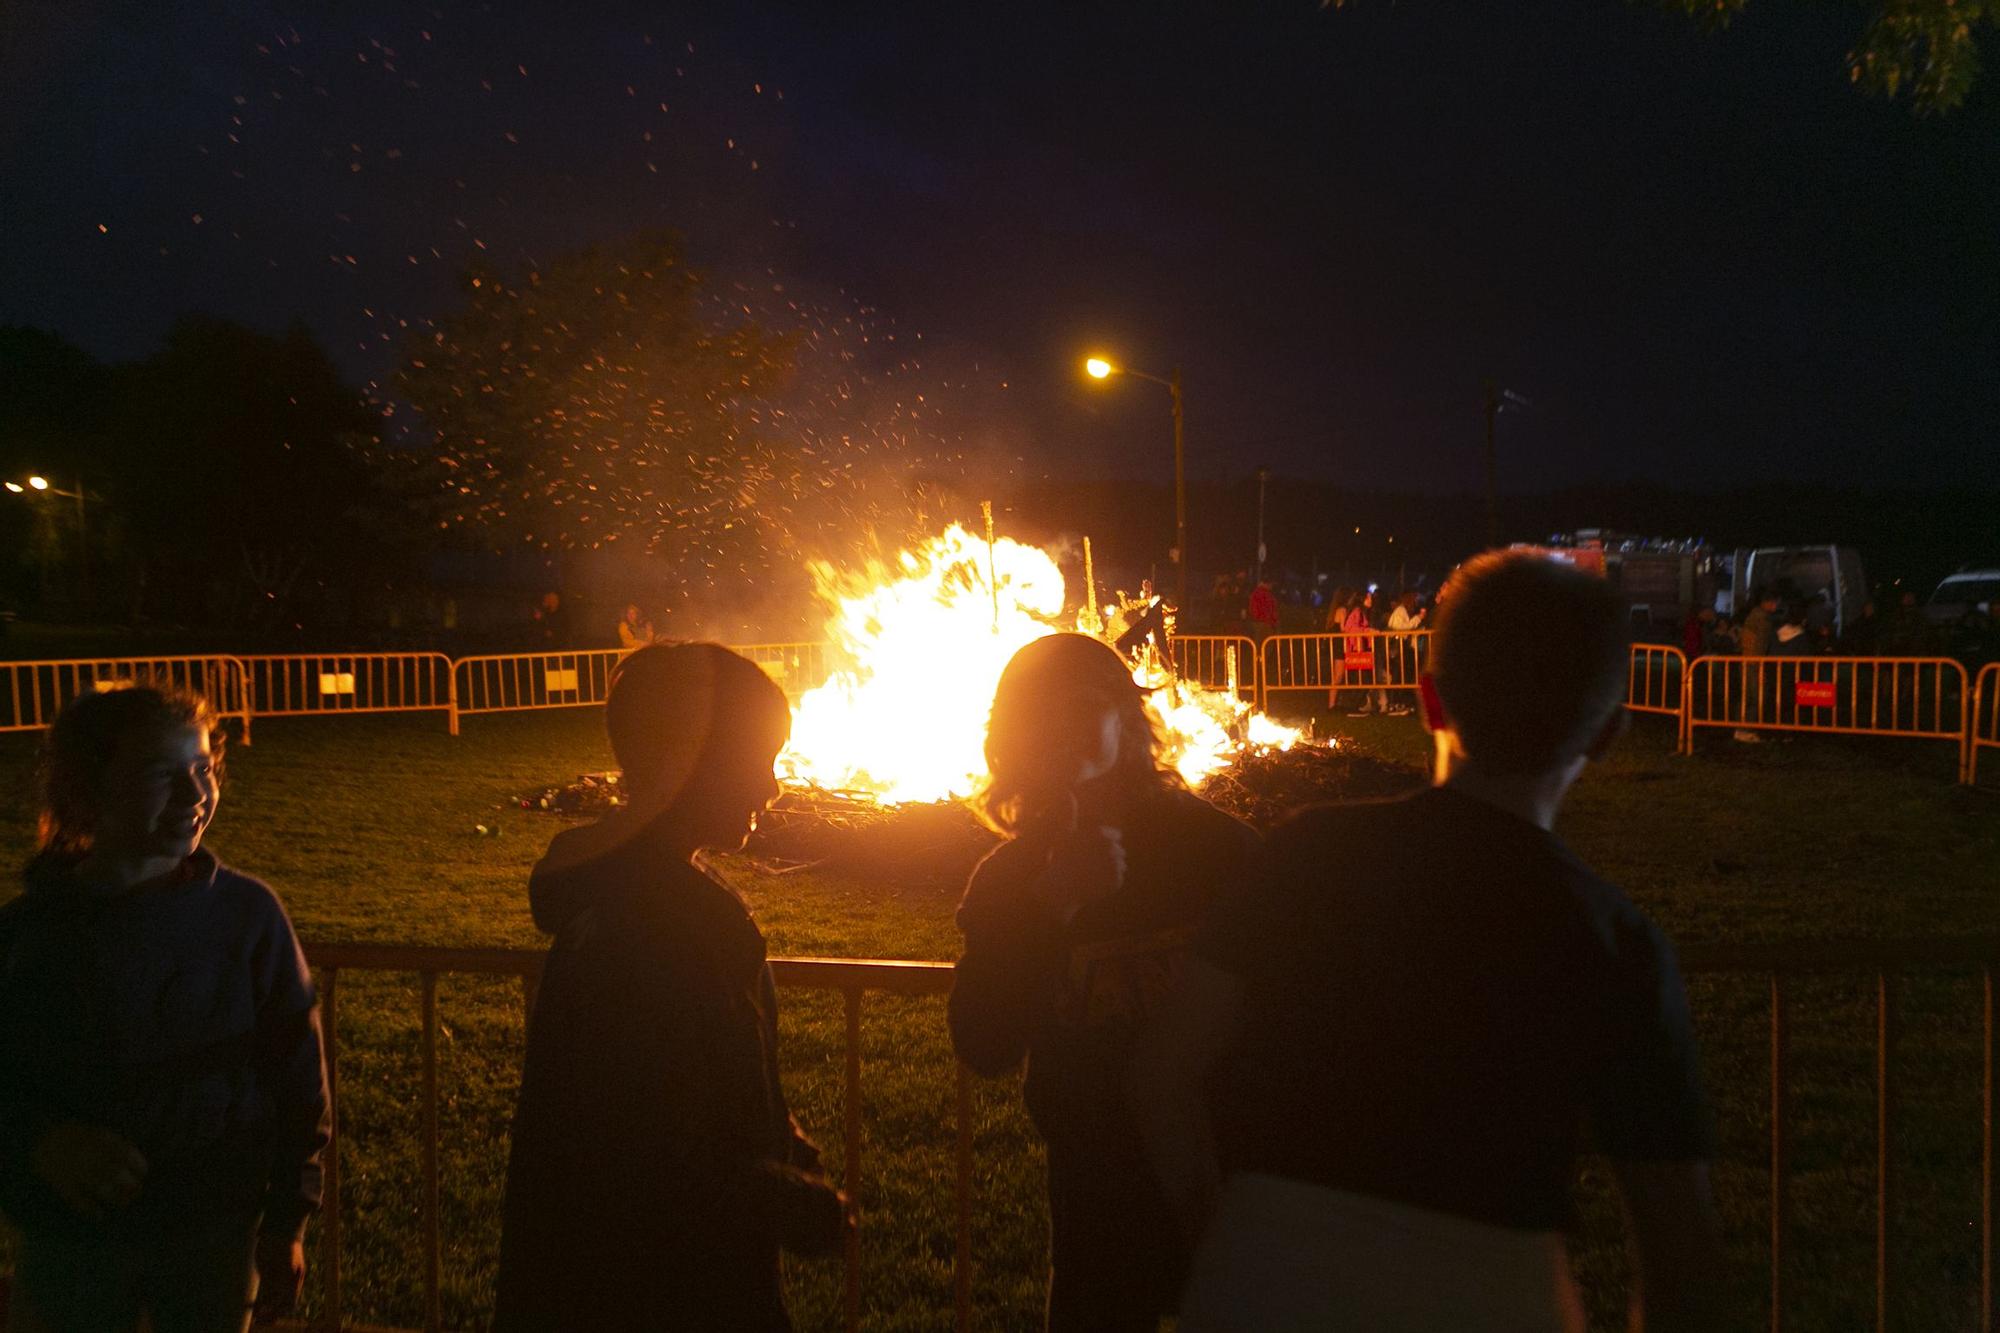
(1218, 662)
(516, 682)
(1924, 698)
(796, 667)
(37, 691)
(1377, 660)
(852, 978)
(308, 684)
(1655, 679)
(1982, 731)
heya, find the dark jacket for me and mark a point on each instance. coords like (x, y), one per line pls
(1073, 1001)
(655, 1169)
(182, 1017)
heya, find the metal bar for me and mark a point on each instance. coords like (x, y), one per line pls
(329, 1225)
(1885, 1183)
(961, 1272)
(851, 1176)
(1780, 1175)
(433, 1253)
(1989, 1317)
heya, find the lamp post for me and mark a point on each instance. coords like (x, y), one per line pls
(1100, 369)
(40, 485)
(1263, 478)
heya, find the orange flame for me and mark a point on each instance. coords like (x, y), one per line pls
(919, 646)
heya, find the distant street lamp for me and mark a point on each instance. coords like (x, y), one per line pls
(1100, 369)
(40, 485)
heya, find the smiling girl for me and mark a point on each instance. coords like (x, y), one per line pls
(164, 1105)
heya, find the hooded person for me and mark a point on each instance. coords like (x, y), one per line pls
(656, 1172)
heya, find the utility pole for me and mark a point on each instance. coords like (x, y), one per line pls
(83, 550)
(1492, 465)
(1180, 494)
(1263, 477)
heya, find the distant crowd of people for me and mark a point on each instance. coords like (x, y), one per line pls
(1275, 1095)
(1781, 624)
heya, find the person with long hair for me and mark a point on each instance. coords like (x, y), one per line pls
(1076, 929)
(163, 1104)
(1336, 621)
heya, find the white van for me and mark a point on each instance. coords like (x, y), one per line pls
(1962, 592)
(1830, 576)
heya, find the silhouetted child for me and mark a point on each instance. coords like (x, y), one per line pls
(656, 1171)
(162, 1097)
(1411, 1059)
(1076, 930)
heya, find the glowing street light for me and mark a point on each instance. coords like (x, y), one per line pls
(40, 485)
(1098, 368)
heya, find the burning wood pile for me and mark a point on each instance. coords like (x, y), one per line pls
(935, 844)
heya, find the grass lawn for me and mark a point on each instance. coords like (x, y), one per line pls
(367, 827)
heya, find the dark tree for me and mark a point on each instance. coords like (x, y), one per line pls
(1927, 49)
(237, 473)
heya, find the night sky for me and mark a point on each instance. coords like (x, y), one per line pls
(1704, 260)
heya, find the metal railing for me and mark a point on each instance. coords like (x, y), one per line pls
(1888, 962)
(1376, 660)
(1782, 963)
(1655, 679)
(850, 977)
(796, 667)
(1982, 730)
(37, 691)
(308, 684)
(1219, 662)
(516, 682)
(1923, 698)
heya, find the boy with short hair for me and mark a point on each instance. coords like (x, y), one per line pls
(1410, 1053)
(656, 1171)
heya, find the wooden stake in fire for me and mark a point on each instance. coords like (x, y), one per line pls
(1090, 590)
(992, 577)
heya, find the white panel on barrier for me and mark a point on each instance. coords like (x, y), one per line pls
(559, 680)
(336, 682)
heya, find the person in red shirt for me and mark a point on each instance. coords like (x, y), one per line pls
(1263, 609)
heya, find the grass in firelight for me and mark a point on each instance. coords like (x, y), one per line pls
(367, 827)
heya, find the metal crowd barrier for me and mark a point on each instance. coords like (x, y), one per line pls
(1888, 961)
(37, 691)
(308, 684)
(516, 682)
(1219, 662)
(796, 667)
(1923, 698)
(1376, 660)
(1655, 679)
(851, 977)
(1784, 963)
(1982, 730)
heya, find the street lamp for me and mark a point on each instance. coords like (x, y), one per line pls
(1098, 368)
(40, 485)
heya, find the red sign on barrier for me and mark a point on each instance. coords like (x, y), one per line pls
(1359, 661)
(1813, 694)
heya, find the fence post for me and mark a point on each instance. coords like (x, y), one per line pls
(329, 1226)
(451, 693)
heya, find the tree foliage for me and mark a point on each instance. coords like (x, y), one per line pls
(1925, 49)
